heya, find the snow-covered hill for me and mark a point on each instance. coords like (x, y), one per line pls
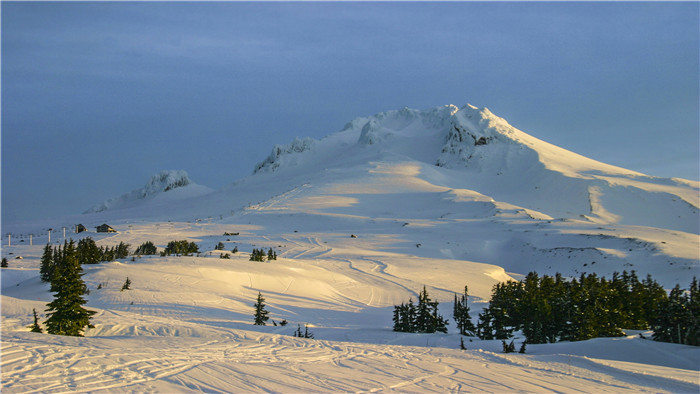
(176, 182)
(361, 220)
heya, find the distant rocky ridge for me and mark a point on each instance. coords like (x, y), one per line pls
(162, 182)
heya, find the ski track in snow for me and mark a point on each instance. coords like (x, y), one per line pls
(272, 363)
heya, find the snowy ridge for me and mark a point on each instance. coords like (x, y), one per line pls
(282, 155)
(163, 182)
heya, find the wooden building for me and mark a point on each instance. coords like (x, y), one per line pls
(105, 229)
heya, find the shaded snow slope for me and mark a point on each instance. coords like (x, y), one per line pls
(175, 182)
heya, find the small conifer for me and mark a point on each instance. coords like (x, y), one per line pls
(260, 312)
(36, 327)
(127, 284)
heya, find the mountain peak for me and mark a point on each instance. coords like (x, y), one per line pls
(162, 182)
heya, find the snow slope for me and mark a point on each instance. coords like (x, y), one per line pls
(361, 220)
(186, 325)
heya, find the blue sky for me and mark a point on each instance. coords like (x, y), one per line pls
(97, 97)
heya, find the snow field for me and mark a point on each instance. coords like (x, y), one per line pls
(186, 325)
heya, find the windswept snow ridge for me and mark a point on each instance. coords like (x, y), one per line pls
(162, 182)
(285, 154)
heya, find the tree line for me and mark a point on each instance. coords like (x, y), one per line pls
(548, 309)
(260, 255)
(86, 252)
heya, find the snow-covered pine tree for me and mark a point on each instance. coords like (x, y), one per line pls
(260, 311)
(66, 315)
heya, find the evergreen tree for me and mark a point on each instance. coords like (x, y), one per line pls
(260, 312)
(219, 246)
(121, 251)
(693, 335)
(47, 264)
(88, 252)
(677, 319)
(404, 317)
(534, 311)
(146, 248)
(522, 347)
(653, 296)
(484, 328)
(461, 314)
(427, 318)
(36, 327)
(307, 333)
(66, 315)
(126, 285)
(180, 248)
(4, 264)
(257, 255)
(107, 253)
(509, 347)
(503, 311)
(235, 250)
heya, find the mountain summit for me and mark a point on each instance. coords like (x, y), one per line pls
(470, 148)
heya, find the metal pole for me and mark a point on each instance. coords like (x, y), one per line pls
(49, 235)
(64, 233)
(30, 240)
(9, 239)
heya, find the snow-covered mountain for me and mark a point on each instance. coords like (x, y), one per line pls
(361, 220)
(489, 156)
(176, 182)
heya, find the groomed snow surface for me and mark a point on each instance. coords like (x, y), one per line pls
(360, 220)
(186, 325)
